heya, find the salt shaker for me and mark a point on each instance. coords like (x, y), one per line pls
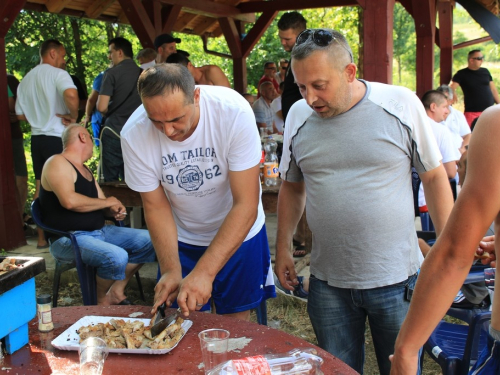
(44, 310)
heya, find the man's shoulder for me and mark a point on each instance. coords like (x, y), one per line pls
(135, 122)
(395, 99)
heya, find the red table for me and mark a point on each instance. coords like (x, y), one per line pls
(39, 357)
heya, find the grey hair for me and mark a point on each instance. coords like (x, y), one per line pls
(339, 50)
(164, 79)
(68, 135)
(447, 90)
(265, 83)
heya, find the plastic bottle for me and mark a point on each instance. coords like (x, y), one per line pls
(297, 362)
(271, 163)
(44, 310)
(262, 161)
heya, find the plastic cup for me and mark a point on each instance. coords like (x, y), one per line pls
(93, 352)
(213, 344)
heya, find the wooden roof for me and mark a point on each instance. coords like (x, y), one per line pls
(198, 17)
(491, 5)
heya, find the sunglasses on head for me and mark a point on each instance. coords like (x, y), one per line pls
(478, 58)
(320, 37)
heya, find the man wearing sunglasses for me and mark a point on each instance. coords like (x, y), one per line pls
(477, 85)
(349, 146)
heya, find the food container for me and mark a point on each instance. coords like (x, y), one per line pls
(17, 291)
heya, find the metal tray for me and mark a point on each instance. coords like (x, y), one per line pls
(69, 339)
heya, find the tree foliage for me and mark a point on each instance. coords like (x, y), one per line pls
(86, 43)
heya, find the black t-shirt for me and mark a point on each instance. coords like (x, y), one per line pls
(475, 85)
(291, 92)
(56, 216)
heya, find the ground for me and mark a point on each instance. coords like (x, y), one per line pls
(284, 313)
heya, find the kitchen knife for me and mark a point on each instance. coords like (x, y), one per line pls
(162, 321)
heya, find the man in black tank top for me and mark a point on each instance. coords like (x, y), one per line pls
(72, 201)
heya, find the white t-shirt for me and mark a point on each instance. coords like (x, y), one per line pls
(194, 172)
(457, 124)
(275, 107)
(447, 147)
(40, 98)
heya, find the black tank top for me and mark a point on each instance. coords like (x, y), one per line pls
(56, 216)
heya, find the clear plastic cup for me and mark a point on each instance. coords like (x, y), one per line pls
(93, 352)
(214, 343)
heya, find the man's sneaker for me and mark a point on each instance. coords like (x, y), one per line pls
(299, 291)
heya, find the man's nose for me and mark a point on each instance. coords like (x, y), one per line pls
(309, 96)
(168, 129)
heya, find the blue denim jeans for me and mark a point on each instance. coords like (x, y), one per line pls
(109, 249)
(338, 317)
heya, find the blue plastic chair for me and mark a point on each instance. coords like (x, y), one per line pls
(86, 273)
(261, 310)
(456, 347)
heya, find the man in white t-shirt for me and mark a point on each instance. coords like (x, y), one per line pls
(47, 98)
(456, 121)
(436, 107)
(194, 154)
(277, 112)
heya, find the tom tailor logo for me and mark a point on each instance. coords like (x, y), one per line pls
(190, 178)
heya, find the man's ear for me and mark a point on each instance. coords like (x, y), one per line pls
(432, 107)
(351, 70)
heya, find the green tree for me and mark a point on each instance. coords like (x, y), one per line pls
(404, 41)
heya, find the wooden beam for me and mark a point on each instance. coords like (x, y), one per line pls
(472, 42)
(424, 13)
(153, 9)
(256, 31)
(211, 9)
(11, 224)
(140, 21)
(445, 12)
(97, 8)
(378, 21)
(240, 74)
(232, 36)
(169, 16)
(278, 5)
(55, 6)
(408, 5)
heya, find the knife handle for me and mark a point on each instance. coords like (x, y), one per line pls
(162, 308)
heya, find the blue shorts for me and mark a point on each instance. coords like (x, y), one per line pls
(489, 359)
(244, 281)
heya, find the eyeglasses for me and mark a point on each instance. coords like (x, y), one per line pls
(320, 37)
(478, 58)
(271, 67)
(284, 67)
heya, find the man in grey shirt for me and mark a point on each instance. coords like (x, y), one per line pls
(117, 100)
(350, 146)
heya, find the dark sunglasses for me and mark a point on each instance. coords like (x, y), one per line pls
(284, 67)
(320, 37)
(478, 58)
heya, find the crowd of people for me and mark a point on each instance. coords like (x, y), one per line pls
(179, 136)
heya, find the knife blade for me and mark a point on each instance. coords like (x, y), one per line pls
(162, 321)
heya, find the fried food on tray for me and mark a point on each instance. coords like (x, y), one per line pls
(8, 264)
(121, 334)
